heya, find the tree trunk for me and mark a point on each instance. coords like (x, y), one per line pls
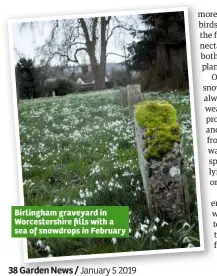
(98, 69)
(102, 68)
(95, 68)
(162, 53)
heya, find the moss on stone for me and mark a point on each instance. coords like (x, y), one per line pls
(161, 128)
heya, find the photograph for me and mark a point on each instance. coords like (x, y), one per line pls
(105, 115)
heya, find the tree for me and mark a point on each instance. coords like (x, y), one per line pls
(70, 38)
(29, 79)
(25, 78)
(161, 49)
(120, 78)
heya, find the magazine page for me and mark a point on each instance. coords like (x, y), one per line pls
(108, 134)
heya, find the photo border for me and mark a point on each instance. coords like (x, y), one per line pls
(194, 132)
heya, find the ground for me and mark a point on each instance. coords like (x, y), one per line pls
(80, 150)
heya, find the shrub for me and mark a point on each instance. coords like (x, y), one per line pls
(64, 87)
(109, 84)
(60, 86)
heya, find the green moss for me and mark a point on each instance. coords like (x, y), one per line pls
(161, 128)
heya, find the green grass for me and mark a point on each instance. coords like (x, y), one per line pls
(80, 150)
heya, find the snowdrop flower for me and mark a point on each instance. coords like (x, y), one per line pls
(157, 220)
(47, 248)
(190, 245)
(147, 221)
(143, 227)
(81, 194)
(88, 194)
(164, 223)
(153, 238)
(39, 243)
(55, 200)
(137, 235)
(185, 240)
(154, 227)
(114, 240)
(186, 225)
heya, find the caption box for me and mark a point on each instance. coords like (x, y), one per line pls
(70, 221)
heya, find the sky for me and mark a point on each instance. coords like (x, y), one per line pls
(26, 40)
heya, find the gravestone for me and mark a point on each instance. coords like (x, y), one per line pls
(123, 97)
(53, 94)
(161, 165)
(134, 96)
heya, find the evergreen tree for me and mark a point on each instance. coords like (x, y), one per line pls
(160, 52)
(25, 78)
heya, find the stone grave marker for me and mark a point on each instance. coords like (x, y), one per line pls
(134, 96)
(160, 159)
(123, 97)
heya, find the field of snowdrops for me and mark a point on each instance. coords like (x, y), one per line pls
(80, 150)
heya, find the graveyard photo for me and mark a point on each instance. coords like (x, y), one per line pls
(100, 131)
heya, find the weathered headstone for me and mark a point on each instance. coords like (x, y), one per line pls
(134, 96)
(123, 97)
(160, 159)
(53, 94)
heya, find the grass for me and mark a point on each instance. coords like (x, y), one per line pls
(80, 150)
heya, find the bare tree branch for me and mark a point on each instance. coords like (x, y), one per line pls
(70, 39)
(115, 54)
(54, 29)
(95, 22)
(75, 60)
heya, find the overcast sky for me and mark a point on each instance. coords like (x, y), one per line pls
(26, 40)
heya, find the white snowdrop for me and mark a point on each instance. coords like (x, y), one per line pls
(137, 235)
(157, 220)
(153, 238)
(114, 240)
(47, 248)
(143, 227)
(147, 221)
(39, 243)
(185, 240)
(186, 225)
(154, 227)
